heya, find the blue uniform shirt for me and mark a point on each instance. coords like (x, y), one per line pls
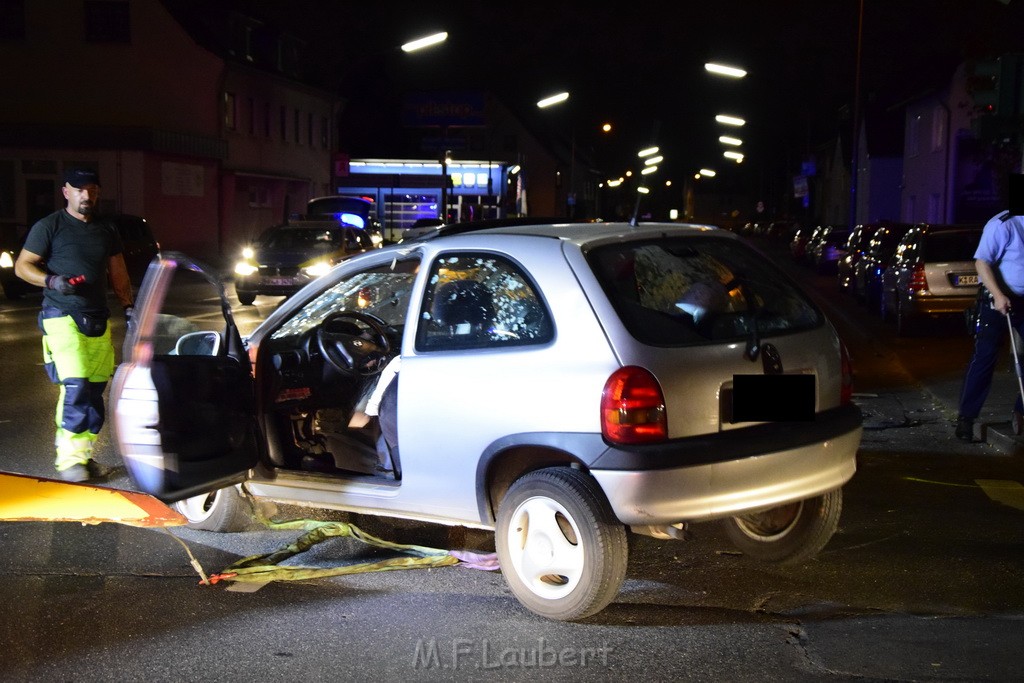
(1002, 245)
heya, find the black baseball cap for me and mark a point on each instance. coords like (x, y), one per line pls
(79, 177)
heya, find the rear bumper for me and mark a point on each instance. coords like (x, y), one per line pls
(732, 472)
(942, 305)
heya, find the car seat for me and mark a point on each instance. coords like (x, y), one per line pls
(464, 309)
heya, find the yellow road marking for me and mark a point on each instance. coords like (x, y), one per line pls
(1006, 492)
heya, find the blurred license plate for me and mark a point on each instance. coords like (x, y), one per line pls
(965, 280)
(772, 398)
(280, 281)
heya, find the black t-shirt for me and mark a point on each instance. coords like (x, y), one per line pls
(72, 247)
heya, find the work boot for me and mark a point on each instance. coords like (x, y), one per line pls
(965, 428)
(90, 471)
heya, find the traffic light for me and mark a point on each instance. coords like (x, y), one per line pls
(995, 85)
(983, 84)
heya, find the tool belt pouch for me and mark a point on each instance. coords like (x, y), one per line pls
(90, 324)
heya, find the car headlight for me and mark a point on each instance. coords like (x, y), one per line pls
(248, 253)
(317, 269)
(376, 239)
(6, 260)
(244, 268)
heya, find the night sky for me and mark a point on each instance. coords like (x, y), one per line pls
(639, 64)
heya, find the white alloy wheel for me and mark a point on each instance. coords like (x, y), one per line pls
(561, 550)
(787, 534)
(221, 510)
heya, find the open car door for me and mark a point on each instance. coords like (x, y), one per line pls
(182, 399)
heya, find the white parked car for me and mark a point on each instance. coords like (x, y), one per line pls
(561, 384)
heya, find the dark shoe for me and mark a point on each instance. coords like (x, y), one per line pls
(965, 428)
(90, 471)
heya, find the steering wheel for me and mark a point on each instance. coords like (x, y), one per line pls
(354, 343)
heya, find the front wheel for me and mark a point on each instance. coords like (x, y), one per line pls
(562, 551)
(246, 298)
(223, 510)
(788, 534)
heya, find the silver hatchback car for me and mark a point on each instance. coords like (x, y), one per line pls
(561, 384)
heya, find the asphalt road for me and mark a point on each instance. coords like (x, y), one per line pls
(923, 581)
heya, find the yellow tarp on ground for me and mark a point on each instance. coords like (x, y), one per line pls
(33, 499)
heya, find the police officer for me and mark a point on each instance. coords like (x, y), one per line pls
(72, 256)
(999, 260)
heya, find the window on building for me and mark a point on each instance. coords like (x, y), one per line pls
(12, 19)
(107, 21)
(939, 118)
(230, 113)
(914, 135)
(240, 35)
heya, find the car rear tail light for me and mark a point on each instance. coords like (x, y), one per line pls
(918, 280)
(846, 375)
(633, 407)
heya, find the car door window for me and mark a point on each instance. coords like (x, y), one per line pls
(481, 301)
(382, 291)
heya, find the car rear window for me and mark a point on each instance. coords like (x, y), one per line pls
(678, 292)
(951, 246)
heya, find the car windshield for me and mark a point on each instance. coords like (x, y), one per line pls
(678, 292)
(382, 291)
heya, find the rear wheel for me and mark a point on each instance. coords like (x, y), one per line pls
(224, 510)
(562, 552)
(788, 534)
(245, 298)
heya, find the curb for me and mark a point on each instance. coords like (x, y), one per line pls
(1000, 436)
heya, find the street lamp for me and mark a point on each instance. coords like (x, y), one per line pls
(724, 70)
(544, 103)
(426, 41)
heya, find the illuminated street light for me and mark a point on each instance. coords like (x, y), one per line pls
(647, 152)
(553, 99)
(708, 172)
(733, 155)
(730, 120)
(648, 170)
(726, 140)
(607, 128)
(723, 70)
(426, 41)
(653, 161)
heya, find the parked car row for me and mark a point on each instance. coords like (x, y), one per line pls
(911, 274)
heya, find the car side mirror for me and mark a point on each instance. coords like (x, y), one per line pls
(198, 344)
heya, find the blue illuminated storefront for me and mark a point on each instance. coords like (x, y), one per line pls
(407, 190)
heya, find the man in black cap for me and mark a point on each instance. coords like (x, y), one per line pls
(72, 256)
